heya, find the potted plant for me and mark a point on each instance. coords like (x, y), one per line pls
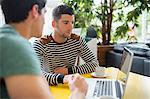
(109, 12)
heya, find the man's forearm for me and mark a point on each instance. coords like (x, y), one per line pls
(83, 69)
(53, 79)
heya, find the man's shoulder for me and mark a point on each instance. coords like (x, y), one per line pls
(15, 40)
(75, 37)
(48, 38)
(45, 39)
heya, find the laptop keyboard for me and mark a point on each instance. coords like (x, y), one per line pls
(103, 88)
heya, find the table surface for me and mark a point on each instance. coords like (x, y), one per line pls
(138, 86)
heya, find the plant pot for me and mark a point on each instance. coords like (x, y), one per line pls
(101, 53)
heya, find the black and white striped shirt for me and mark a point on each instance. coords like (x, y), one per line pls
(53, 55)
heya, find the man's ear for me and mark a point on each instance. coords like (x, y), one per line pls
(35, 10)
(53, 23)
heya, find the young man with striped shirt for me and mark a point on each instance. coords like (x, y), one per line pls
(58, 51)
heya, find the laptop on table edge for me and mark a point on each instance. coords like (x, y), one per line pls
(111, 88)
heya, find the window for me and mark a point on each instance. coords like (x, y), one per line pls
(145, 27)
(2, 20)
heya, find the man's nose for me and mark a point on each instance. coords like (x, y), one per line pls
(70, 26)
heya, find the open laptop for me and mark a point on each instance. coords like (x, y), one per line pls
(111, 88)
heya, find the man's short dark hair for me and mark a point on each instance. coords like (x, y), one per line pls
(61, 9)
(17, 10)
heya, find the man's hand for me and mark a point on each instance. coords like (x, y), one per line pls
(77, 84)
(61, 70)
(67, 78)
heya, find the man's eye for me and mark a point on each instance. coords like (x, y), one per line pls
(65, 22)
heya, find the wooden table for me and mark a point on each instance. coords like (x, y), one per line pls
(138, 86)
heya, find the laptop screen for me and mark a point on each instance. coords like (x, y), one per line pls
(125, 66)
(126, 61)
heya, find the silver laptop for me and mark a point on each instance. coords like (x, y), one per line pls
(111, 88)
